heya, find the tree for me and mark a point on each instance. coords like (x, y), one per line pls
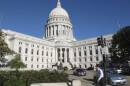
(4, 49)
(121, 45)
(16, 62)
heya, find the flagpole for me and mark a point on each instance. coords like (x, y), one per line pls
(1, 21)
(119, 25)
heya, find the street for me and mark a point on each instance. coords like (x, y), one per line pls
(88, 79)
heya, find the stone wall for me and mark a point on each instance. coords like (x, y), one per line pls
(73, 83)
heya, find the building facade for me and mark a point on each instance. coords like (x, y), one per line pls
(58, 46)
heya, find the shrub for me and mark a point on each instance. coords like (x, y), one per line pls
(19, 78)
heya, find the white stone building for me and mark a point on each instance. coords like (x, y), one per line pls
(58, 45)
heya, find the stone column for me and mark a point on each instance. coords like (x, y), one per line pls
(51, 31)
(54, 30)
(48, 31)
(82, 55)
(93, 53)
(61, 54)
(65, 55)
(88, 53)
(56, 57)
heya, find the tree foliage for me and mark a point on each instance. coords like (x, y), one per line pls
(121, 45)
(10, 78)
(4, 49)
(16, 62)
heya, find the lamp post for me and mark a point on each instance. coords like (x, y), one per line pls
(102, 42)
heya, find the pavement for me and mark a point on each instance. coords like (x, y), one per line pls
(85, 80)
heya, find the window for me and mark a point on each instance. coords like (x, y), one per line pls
(37, 52)
(32, 66)
(85, 59)
(90, 52)
(26, 50)
(37, 59)
(32, 51)
(42, 66)
(42, 59)
(31, 58)
(97, 58)
(75, 59)
(42, 53)
(25, 58)
(47, 53)
(32, 45)
(51, 54)
(74, 54)
(91, 59)
(85, 66)
(37, 66)
(79, 53)
(19, 49)
(96, 49)
(85, 53)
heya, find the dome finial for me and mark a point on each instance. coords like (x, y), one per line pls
(58, 3)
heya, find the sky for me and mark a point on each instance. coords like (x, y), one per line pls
(90, 18)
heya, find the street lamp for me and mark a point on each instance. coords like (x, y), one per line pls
(102, 42)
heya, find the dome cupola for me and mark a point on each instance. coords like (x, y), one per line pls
(58, 26)
(58, 11)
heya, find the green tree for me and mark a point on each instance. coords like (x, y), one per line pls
(121, 45)
(4, 49)
(16, 63)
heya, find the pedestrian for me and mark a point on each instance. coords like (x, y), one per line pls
(100, 76)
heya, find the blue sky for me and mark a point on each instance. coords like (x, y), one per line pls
(90, 18)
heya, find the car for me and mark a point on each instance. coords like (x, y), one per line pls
(114, 78)
(79, 72)
(119, 71)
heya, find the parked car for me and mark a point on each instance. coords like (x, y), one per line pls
(119, 71)
(79, 72)
(114, 78)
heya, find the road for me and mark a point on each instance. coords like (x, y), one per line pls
(88, 79)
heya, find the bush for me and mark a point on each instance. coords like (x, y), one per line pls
(16, 78)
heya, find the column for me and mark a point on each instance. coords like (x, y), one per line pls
(88, 53)
(61, 54)
(56, 55)
(71, 32)
(51, 30)
(65, 30)
(65, 54)
(48, 32)
(82, 54)
(93, 53)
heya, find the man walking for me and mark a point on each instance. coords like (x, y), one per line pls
(100, 76)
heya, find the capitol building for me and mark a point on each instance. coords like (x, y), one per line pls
(58, 46)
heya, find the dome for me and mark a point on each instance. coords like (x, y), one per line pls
(58, 11)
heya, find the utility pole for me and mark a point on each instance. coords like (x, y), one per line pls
(102, 42)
